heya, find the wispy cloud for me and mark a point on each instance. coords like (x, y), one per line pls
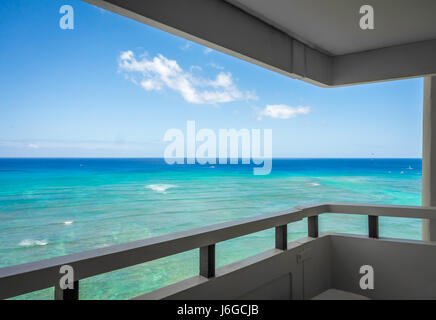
(207, 50)
(282, 111)
(159, 73)
(85, 145)
(216, 66)
(186, 46)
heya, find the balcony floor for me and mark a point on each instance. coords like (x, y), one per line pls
(335, 294)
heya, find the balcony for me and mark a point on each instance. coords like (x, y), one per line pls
(320, 266)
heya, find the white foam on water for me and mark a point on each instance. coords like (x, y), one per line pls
(67, 223)
(29, 243)
(315, 184)
(161, 188)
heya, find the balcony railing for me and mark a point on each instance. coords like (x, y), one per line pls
(33, 276)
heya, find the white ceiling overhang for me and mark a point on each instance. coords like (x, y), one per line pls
(319, 41)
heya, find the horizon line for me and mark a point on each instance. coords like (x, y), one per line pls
(284, 158)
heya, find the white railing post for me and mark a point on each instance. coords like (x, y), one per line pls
(429, 156)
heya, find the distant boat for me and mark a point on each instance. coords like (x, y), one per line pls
(410, 167)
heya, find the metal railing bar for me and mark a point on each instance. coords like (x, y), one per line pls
(383, 210)
(20, 279)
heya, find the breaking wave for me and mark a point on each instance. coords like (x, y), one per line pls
(31, 243)
(161, 188)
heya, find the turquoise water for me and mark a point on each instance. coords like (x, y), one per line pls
(52, 207)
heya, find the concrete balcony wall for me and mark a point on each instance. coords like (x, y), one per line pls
(273, 274)
(402, 270)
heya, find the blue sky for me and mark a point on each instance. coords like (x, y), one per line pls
(112, 87)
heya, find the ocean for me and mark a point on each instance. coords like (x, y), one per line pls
(53, 207)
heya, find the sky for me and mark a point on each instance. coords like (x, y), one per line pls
(112, 87)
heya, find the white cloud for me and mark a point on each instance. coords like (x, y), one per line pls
(251, 95)
(282, 111)
(160, 72)
(216, 66)
(207, 50)
(151, 85)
